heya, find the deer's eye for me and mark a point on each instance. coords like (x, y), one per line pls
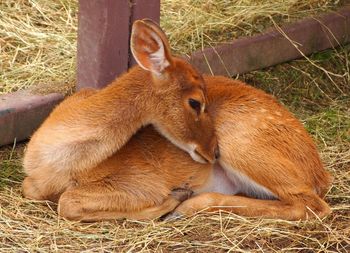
(195, 105)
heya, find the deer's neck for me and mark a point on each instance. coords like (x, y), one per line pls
(122, 108)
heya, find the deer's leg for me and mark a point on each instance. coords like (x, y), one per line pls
(43, 183)
(96, 202)
(30, 190)
(294, 209)
(79, 212)
(45, 186)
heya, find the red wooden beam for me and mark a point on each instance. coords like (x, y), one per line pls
(21, 113)
(273, 47)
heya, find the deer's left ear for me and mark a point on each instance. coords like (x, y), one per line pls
(150, 46)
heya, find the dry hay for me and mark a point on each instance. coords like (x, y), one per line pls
(38, 43)
(304, 87)
(38, 37)
(195, 24)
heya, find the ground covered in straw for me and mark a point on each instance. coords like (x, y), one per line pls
(317, 90)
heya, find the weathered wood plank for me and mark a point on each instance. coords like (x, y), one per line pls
(103, 41)
(21, 113)
(272, 47)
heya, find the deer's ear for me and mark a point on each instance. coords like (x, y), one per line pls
(150, 46)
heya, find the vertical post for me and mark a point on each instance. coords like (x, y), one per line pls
(144, 9)
(103, 37)
(103, 41)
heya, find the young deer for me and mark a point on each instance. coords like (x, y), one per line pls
(268, 166)
(164, 91)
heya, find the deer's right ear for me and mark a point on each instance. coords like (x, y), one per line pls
(150, 46)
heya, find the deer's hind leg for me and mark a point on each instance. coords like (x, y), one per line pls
(100, 201)
(297, 208)
(45, 185)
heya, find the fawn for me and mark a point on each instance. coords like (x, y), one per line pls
(163, 90)
(268, 165)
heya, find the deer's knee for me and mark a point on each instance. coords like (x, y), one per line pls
(307, 206)
(317, 206)
(30, 189)
(70, 207)
(324, 210)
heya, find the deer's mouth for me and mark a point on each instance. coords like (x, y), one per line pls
(199, 157)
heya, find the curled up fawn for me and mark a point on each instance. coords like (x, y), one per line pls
(87, 157)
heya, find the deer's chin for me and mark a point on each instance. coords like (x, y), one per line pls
(197, 157)
(190, 148)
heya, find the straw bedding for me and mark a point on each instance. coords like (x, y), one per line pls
(38, 46)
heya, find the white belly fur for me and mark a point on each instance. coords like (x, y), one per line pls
(229, 181)
(218, 182)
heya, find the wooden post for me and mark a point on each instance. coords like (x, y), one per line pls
(103, 37)
(144, 9)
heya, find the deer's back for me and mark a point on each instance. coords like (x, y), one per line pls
(262, 138)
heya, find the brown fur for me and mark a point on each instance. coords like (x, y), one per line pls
(258, 139)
